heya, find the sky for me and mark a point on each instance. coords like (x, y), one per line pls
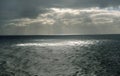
(59, 17)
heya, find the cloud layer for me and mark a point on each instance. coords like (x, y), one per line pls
(18, 17)
(31, 8)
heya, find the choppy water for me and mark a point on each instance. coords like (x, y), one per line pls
(59, 57)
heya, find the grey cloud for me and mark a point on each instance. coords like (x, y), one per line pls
(10, 9)
(68, 21)
(94, 3)
(14, 9)
(23, 8)
(28, 14)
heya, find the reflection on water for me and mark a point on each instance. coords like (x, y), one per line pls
(62, 43)
(60, 58)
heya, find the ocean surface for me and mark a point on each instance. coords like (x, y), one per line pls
(90, 55)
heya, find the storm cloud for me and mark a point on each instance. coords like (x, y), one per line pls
(19, 17)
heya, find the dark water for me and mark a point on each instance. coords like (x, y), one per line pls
(60, 56)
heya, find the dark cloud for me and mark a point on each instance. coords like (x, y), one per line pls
(10, 9)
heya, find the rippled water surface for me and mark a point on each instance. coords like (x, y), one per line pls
(59, 57)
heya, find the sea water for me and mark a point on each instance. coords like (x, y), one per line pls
(60, 56)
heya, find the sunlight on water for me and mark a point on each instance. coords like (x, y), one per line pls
(60, 57)
(59, 53)
(62, 43)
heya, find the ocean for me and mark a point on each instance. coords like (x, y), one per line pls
(80, 55)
